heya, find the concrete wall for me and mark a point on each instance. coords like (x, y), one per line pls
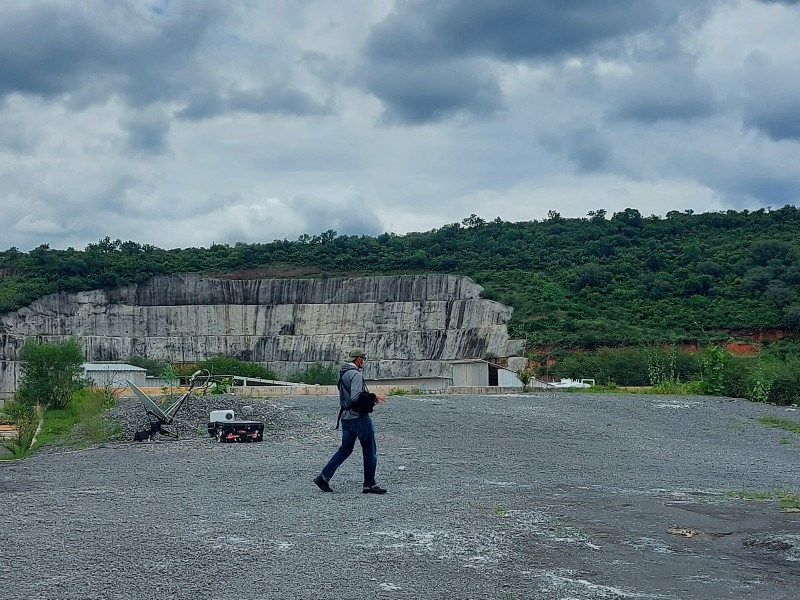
(423, 384)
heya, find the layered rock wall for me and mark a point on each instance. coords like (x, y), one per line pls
(409, 325)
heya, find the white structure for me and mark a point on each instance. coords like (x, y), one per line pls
(481, 373)
(114, 374)
(573, 383)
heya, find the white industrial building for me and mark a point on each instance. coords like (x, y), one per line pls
(113, 375)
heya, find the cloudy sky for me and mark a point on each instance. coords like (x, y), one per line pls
(183, 123)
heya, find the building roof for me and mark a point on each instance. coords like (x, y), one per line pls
(477, 361)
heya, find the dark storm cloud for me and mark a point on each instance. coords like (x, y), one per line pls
(202, 106)
(426, 60)
(772, 98)
(581, 144)
(778, 118)
(278, 100)
(772, 190)
(145, 57)
(147, 134)
(50, 49)
(435, 91)
(510, 30)
(743, 179)
(662, 92)
(353, 218)
(274, 100)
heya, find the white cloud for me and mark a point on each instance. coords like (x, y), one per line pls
(185, 123)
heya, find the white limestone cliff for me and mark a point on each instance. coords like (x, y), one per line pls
(409, 325)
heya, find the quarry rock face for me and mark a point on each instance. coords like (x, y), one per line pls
(409, 325)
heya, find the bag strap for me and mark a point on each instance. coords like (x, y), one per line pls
(339, 384)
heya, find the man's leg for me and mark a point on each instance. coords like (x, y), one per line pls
(345, 450)
(370, 450)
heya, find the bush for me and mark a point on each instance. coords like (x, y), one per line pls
(154, 367)
(713, 360)
(26, 419)
(763, 379)
(629, 366)
(785, 388)
(316, 374)
(227, 365)
(87, 408)
(739, 376)
(51, 373)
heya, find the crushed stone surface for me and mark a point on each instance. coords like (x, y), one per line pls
(549, 496)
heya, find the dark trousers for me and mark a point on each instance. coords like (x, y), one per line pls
(364, 431)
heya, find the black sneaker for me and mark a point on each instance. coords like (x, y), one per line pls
(322, 484)
(373, 489)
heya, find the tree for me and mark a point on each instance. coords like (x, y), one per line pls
(764, 251)
(597, 216)
(51, 373)
(473, 221)
(590, 275)
(791, 317)
(780, 295)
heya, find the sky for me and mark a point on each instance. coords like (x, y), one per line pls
(184, 123)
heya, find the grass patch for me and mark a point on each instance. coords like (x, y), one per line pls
(501, 511)
(611, 388)
(79, 424)
(750, 495)
(666, 388)
(787, 501)
(404, 392)
(785, 424)
(25, 418)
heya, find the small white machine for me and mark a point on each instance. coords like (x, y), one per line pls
(220, 416)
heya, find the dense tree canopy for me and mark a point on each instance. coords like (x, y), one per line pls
(588, 282)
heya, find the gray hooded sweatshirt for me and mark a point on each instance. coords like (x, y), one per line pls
(351, 384)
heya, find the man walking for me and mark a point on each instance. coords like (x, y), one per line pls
(355, 402)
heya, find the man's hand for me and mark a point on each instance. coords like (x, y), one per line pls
(380, 398)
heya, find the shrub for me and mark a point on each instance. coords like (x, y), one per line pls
(785, 388)
(713, 361)
(87, 408)
(26, 419)
(154, 367)
(629, 366)
(738, 376)
(404, 391)
(316, 374)
(51, 373)
(227, 365)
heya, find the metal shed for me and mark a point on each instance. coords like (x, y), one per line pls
(114, 374)
(481, 373)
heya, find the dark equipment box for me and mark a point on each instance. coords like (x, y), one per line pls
(236, 431)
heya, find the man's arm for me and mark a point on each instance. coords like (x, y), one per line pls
(356, 386)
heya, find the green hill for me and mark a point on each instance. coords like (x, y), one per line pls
(574, 283)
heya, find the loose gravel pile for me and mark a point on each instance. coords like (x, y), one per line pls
(191, 420)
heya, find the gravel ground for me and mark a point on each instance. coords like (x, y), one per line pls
(541, 496)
